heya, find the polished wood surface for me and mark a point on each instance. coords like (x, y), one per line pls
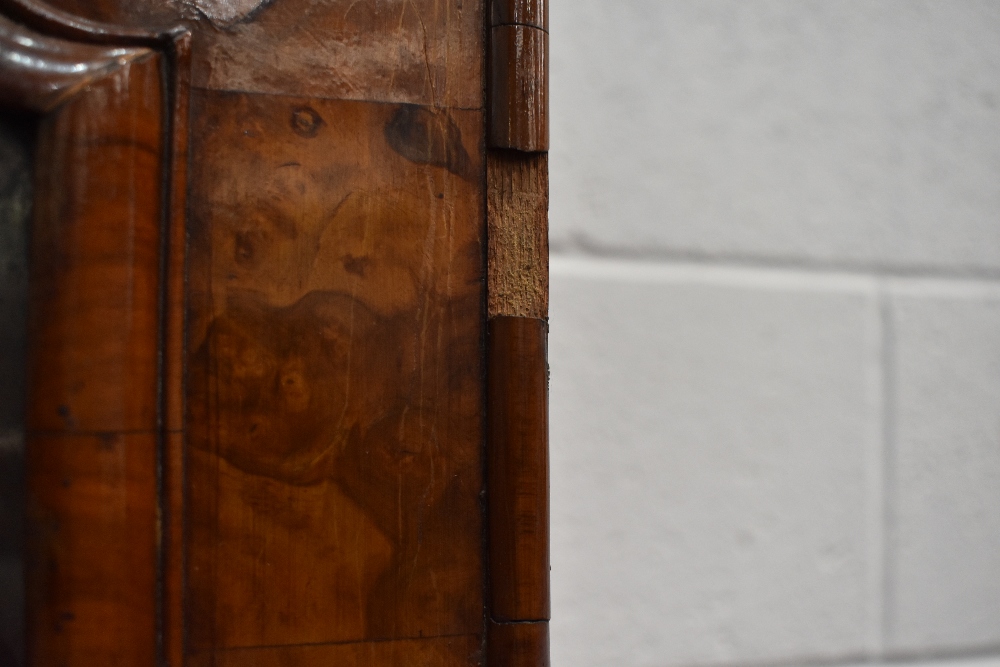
(173, 455)
(91, 568)
(116, 22)
(283, 415)
(40, 72)
(336, 333)
(518, 482)
(95, 259)
(520, 12)
(519, 88)
(517, 462)
(150, 28)
(111, 127)
(92, 422)
(437, 652)
(518, 644)
(335, 401)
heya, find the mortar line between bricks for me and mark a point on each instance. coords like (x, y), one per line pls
(976, 656)
(889, 435)
(875, 462)
(741, 275)
(972, 657)
(580, 250)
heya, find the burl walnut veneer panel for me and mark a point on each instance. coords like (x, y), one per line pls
(335, 392)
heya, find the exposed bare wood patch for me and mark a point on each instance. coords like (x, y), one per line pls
(518, 205)
(225, 12)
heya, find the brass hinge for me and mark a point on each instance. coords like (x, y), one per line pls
(519, 75)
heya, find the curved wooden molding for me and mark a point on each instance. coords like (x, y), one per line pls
(103, 558)
(58, 23)
(37, 73)
(93, 374)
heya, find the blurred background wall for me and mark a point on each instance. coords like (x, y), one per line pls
(775, 331)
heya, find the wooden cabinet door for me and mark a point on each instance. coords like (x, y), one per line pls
(286, 375)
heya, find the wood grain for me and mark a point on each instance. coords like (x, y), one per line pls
(517, 215)
(174, 361)
(459, 651)
(97, 22)
(335, 397)
(518, 644)
(519, 88)
(520, 12)
(114, 22)
(175, 250)
(427, 52)
(91, 567)
(172, 620)
(95, 259)
(518, 482)
(317, 372)
(93, 375)
(40, 72)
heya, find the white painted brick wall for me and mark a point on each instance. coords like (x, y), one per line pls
(710, 437)
(945, 474)
(775, 331)
(847, 132)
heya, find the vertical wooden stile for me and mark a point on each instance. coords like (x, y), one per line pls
(93, 386)
(517, 446)
(106, 331)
